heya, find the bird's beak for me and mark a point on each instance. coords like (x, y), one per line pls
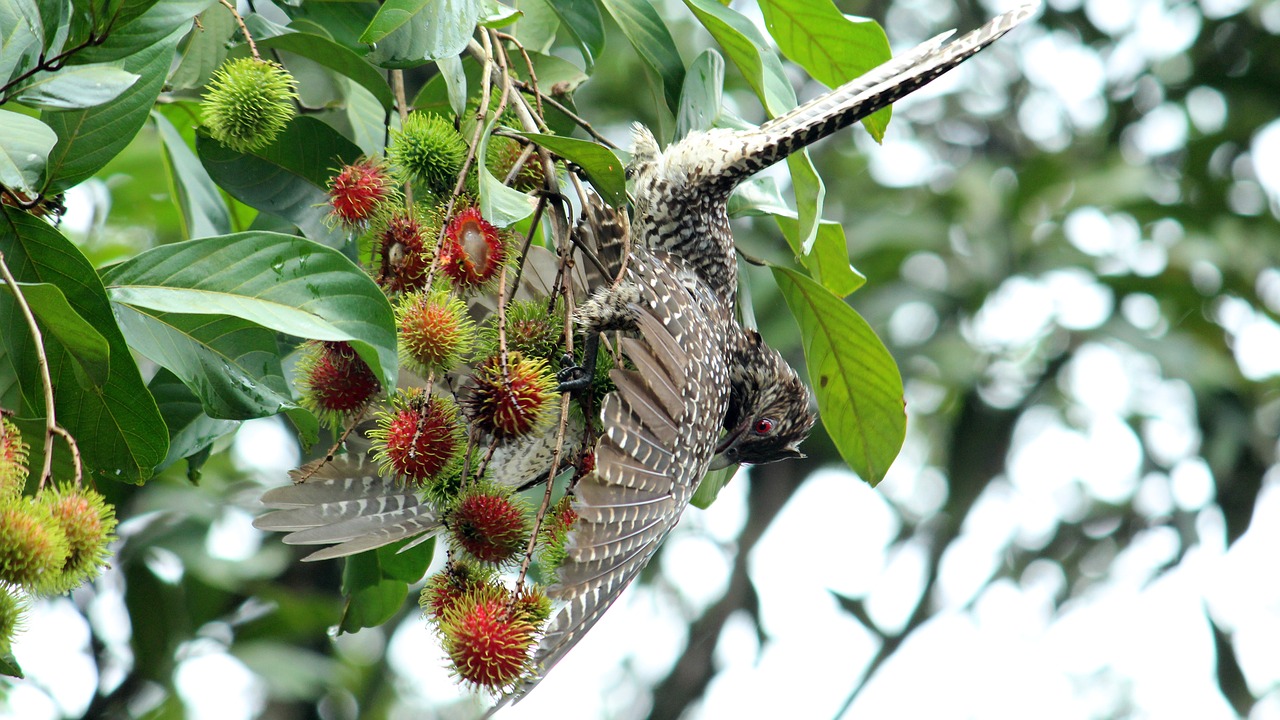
(726, 452)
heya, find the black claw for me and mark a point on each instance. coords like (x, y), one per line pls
(574, 377)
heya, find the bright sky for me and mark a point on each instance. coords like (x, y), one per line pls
(1135, 644)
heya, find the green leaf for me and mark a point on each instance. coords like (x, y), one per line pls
(21, 37)
(9, 666)
(25, 144)
(538, 24)
(376, 583)
(649, 35)
(88, 139)
(116, 424)
(711, 485)
(582, 18)
(833, 48)
(602, 166)
(75, 87)
(829, 261)
(204, 49)
(191, 432)
(134, 34)
(455, 80)
(855, 379)
(408, 33)
(495, 15)
(701, 97)
(231, 364)
(286, 178)
(499, 204)
(810, 194)
(203, 211)
(337, 58)
(59, 320)
(286, 283)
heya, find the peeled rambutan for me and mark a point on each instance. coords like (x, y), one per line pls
(33, 547)
(511, 403)
(13, 459)
(334, 383)
(359, 192)
(403, 254)
(88, 521)
(472, 250)
(435, 331)
(420, 437)
(490, 523)
(487, 641)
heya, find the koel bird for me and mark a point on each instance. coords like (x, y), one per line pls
(704, 391)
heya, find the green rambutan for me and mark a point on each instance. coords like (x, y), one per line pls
(501, 158)
(530, 330)
(248, 103)
(333, 382)
(420, 438)
(511, 403)
(13, 459)
(88, 522)
(435, 331)
(33, 546)
(13, 612)
(429, 151)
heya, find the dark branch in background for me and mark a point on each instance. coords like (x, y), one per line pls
(771, 487)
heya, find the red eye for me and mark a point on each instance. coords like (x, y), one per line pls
(763, 426)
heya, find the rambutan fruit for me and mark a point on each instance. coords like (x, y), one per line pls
(13, 611)
(487, 641)
(334, 383)
(429, 151)
(458, 579)
(472, 251)
(420, 438)
(362, 191)
(88, 521)
(248, 103)
(554, 532)
(511, 403)
(530, 330)
(33, 547)
(490, 523)
(501, 158)
(435, 331)
(402, 251)
(13, 459)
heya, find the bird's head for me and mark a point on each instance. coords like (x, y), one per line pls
(769, 414)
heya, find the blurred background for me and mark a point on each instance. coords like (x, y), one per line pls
(1072, 250)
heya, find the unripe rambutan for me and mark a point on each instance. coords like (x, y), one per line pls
(13, 459)
(88, 522)
(458, 579)
(13, 611)
(429, 151)
(248, 103)
(502, 156)
(554, 532)
(33, 547)
(361, 191)
(435, 331)
(420, 438)
(334, 383)
(472, 251)
(530, 330)
(403, 254)
(487, 642)
(514, 403)
(490, 523)
(532, 604)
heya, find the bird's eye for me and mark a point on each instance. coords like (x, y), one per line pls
(763, 426)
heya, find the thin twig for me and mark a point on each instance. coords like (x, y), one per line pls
(253, 47)
(577, 119)
(51, 427)
(402, 107)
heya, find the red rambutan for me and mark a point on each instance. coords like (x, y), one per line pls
(360, 191)
(334, 382)
(487, 641)
(513, 403)
(472, 251)
(420, 437)
(458, 579)
(490, 523)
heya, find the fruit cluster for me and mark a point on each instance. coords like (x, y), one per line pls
(51, 542)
